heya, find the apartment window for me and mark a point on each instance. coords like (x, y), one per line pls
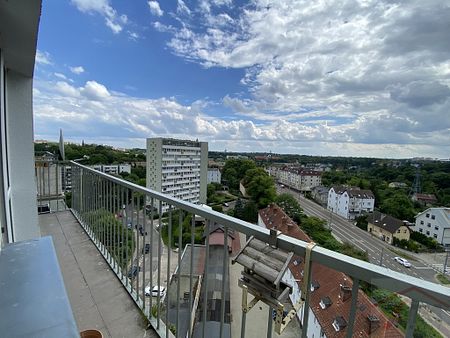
(436, 228)
(435, 235)
(421, 222)
(433, 217)
(429, 225)
(427, 215)
(420, 230)
(428, 233)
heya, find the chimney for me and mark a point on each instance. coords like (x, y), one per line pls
(374, 323)
(345, 292)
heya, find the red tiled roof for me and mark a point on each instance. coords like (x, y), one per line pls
(329, 281)
(425, 197)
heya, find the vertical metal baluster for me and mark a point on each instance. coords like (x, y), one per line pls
(57, 178)
(191, 284)
(124, 246)
(49, 192)
(224, 277)
(351, 318)
(145, 227)
(412, 318)
(205, 279)
(110, 225)
(116, 227)
(306, 303)
(138, 239)
(180, 246)
(169, 249)
(133, 246)
(152, 201)
(270, 323)
(159, 264)
(125, 211)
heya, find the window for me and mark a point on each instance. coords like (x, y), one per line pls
(421, 222)
(433, 217)
(429, 225)
(398, 231)
(428, 233)
(436, 227)
(435, 235)
(427, 215)
(420, 230)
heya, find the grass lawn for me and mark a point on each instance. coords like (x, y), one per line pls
(442, 278)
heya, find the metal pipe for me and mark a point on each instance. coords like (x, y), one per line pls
(412, 318)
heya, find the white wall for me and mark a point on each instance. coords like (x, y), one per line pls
(20, 157)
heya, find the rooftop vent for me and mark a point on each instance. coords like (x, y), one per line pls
(374, 323)
(339, 323)
(325, 302)
(315, 285)
(345, 292)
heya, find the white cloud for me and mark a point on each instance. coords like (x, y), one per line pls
(103, 7)
(60, 75)
(77, 70)
(154, 8)
(43, 58)
(182, 8)
(95, 91)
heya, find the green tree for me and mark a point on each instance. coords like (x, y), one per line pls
(260, 187)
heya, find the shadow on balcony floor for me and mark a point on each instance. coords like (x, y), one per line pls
(97, 297)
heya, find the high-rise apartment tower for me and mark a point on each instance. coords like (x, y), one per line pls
(178, 168)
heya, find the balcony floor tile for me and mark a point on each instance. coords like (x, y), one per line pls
(98, 299)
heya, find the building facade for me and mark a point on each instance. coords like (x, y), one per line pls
(297, 178)
(434, 223)
(178, 168)
(350, 202)
(386, 227)
(214, 175)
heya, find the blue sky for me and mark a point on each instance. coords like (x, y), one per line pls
(352, 78)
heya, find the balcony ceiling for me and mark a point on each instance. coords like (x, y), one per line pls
(19, 22)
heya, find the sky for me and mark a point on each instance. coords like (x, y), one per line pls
(341, 78)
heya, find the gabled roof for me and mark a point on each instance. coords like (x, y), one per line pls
(445, 212)
(353, 191)
(330, 286)
(215, 227)
(425, 197)
(385, 222)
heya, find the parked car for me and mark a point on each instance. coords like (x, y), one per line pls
(133, 271)
(141, 230)
(226, 204)
(146, 248)
(155, 290)
(403, 262)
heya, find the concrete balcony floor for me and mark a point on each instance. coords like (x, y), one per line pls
(98, 299)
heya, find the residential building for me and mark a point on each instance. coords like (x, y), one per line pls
(397, 185)
(297, 178)
(214, 175)
(320, 194)
(386, 227)
(331, 294)
(178, 168)
(434, 223)
(350, 202)
(424, 199)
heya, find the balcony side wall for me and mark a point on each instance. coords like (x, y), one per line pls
(20, 156)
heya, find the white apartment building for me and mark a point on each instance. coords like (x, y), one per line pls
(350, 202)
(434, 223)
(178, 168)
(299, 179)
(214, 175)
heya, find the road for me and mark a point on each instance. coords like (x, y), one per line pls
(378, 251)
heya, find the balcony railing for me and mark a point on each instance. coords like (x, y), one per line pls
(126, 223)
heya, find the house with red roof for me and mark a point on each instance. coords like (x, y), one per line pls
(330, 299)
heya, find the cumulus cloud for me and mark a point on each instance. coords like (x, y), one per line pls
(113, 21)
(77, 70)
(43, 58)
(154, 8)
